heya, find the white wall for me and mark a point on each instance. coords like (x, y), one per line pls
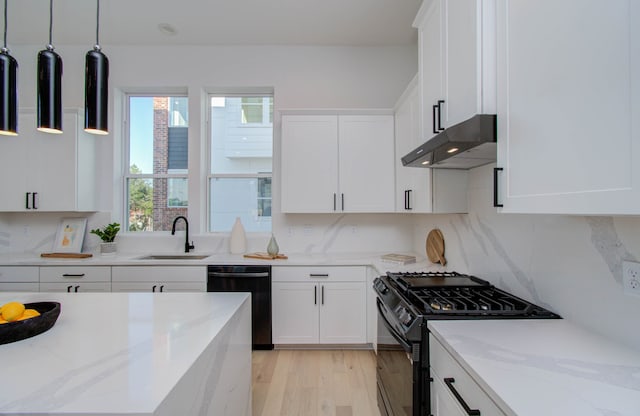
(570, 264)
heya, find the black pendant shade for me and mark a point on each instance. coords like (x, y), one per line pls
(96, 92)
(8, 94)
(49, 91)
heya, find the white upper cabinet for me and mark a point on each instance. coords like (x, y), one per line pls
(568, 107)
(457, 61)
(337, 163)
(421, 190)
(47, 172)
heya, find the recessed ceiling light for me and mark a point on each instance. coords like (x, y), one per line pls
(426, 162)
(452, 150)
(167, 29)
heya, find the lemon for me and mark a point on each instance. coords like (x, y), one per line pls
(2, 321)
(29, 313)
(12, 311)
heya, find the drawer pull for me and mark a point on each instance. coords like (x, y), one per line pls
(318, 274)
(471, 412)
(73, 275)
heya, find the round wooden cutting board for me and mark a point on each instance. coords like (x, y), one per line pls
(435, 247)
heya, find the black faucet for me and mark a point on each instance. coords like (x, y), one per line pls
(187, 246)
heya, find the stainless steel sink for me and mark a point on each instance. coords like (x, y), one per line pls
(174, 257)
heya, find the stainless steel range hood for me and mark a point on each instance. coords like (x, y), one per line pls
(466, 145)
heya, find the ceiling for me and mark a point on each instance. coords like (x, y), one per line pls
(215, 22)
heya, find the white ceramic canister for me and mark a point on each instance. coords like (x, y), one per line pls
(238, 239)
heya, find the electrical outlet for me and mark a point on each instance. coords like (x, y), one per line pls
(631, 277)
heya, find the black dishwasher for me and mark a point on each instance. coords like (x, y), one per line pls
(248, 278)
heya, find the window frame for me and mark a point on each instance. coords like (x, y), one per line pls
(126, 165)
(209, 143)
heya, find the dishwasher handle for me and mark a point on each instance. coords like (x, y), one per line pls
(238, 274)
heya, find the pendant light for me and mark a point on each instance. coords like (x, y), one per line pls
(49, 86)
(96, 86)
(8, 87)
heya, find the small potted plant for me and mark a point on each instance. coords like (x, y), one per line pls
(107, 234)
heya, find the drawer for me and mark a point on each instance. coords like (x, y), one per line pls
(444, 366)
(318, 273)
(159, 273)
(17, 274)
(63, 274)
(159, 287)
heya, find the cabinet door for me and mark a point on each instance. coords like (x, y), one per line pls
(309, 163)
(413, 188)
(366, 168)
(461, 60)
(343, 313)
(295, 313)
(14, 167)
(19, 287)
(75, 287)
(430, 63)
(568, 106)
(158, 287)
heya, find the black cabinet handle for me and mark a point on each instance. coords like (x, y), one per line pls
(440, 102)
(471, 412)
(69, 288)
(409, 199)
(33, 200)
(343, 202)
(153, 289)
(334, 201)
(73, 275)
(162, 288)
(322, 296)
(495, 187)
(26, 202)
(315, 295)
(77, 287)
(435, 111)
(318, 274)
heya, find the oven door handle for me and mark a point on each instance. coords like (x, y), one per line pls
(401, 340)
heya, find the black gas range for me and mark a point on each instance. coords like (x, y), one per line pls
(406, 301)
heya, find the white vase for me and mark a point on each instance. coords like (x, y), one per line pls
(238, 239)
(272, 248)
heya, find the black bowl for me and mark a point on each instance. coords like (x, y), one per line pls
(15, 331)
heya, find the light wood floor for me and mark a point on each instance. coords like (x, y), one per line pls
(314, 383)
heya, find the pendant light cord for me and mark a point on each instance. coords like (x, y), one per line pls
(50, 22)
(97, 23)
(5, 25)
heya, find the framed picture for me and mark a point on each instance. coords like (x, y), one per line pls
(70, 235)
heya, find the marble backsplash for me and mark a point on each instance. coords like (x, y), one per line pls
(569, 264)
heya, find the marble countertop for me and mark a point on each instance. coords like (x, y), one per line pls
(545, 367)
(132, 259)
(112, 353)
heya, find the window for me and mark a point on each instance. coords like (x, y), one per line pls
(241, 148)
(156, 180)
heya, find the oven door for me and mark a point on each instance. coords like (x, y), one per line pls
(399, 372)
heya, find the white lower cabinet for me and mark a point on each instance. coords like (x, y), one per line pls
(75, 279)
(19, 279)
(159, 279)
(453, 391)
(319, 305)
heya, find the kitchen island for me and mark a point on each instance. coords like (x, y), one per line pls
(132, 353)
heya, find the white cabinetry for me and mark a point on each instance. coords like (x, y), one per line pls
(422, 190)
(75, 279)
(569, 107)
(453, 391)
(337, 163)
(456, 41)
(19, 278)
(319, 305)
(48, 172)
(159, 278)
